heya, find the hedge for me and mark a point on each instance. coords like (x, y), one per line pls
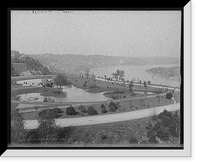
(82, 109)
(92, 111)
(71, 111)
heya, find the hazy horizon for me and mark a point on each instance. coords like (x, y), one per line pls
(111, 33)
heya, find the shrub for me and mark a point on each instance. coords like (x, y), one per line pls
(133, 140)
(112, 109)
(168, 95)
(166, 113)
(118, 105)
(103, 106)
(152, 138)
(57, 110)
(33, 137)
(113, 104)
(104, 110)
(63, 134)
(92, 111)
(45, 100)
(57, 91)
(71, 111)
(163, 134)
(82, 109)
(47, 114)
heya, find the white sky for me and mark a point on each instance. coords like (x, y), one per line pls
(114, 33)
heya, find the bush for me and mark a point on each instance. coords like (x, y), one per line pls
(57, 110)
(113, 104)
(47, 114)
(163, 134)
(166, 113)
(152, 138)
(118, 105)
(92, 111)
(33, 137)
(58, 92)
(169, 96)
(45, 100)
(71, 111)
(103, 106)
(63, 134)
(112, 109)
(104, 110)
(133, 140)
(82, 109)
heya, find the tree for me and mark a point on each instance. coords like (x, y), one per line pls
(12, 71)
(47, 126)
(61, 80)
(18, 132)
(71, 111)
(118, 75)
(87, 72)
(121, 75)
(115, 76)
(130, 86)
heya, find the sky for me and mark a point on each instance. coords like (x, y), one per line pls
(113, 33)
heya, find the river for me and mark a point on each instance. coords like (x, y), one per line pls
(135, 71)
(79, 95)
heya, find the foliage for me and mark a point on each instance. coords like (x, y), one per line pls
(130, 86)
(18, 132)
(114, 105)
(103, 106)
(61, 80)
(12, 71)
(92, 111)
(148, 82)
(87, 72)
(33, 65)
(133, 140)
(112, 109)
(169, 95)
(64, 133)
(33, 137)
(58, 112)
(82, 109)
(152, 138)
(56, 91)
(163, 133)
(45, 100)
(167, 125)
(47, 126)
(118, 75)
(71, 111)
(103, 109)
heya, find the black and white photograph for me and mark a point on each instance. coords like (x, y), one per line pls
(97, 79)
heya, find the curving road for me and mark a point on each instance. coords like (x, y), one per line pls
(100, 119)
(19, 78)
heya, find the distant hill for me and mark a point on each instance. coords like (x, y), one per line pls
(74, 64)
(22, 64)
(172, 73)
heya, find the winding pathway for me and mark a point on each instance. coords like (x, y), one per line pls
(100, 119)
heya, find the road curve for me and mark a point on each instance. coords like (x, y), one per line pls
(100, 119)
